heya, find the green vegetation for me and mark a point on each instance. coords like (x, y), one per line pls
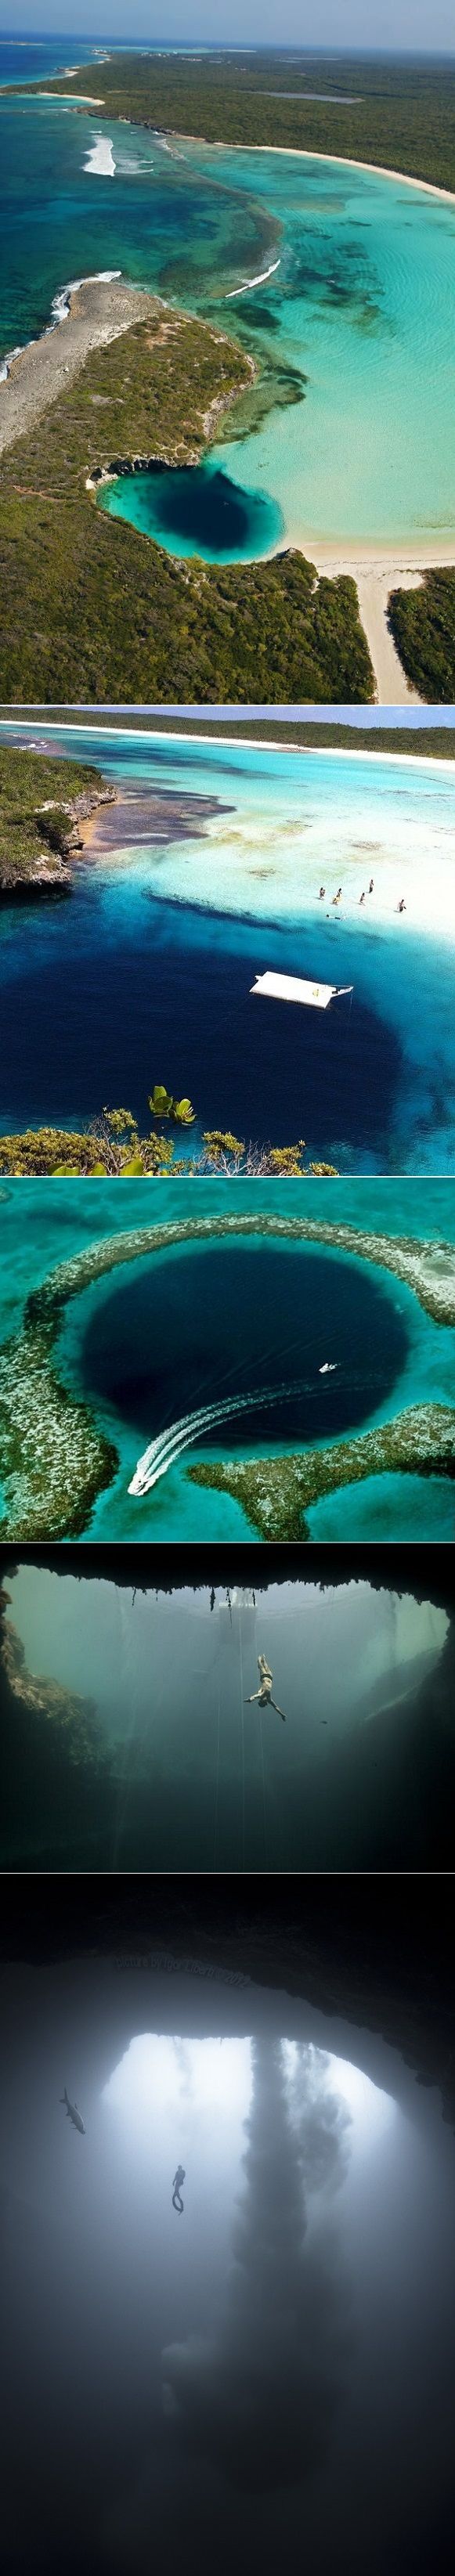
(112, 1147)
(27, 833)
(163, 1105)
(54, 1461)
(275, 1493)
(401, 115)
(423, 626)
(92, 608)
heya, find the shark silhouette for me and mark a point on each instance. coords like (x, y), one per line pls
(72, 2113)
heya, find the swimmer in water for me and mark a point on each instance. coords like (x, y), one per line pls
(179, 2177)
(264, 1694)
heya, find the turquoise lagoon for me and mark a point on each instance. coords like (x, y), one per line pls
(406, 1360)
(352, 436)
(208, 872)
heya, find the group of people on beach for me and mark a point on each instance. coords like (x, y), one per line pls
(336, 898)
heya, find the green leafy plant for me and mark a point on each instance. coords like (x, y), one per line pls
(163, 1105)
(112, 1147)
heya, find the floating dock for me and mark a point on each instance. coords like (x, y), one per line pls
(293, 988)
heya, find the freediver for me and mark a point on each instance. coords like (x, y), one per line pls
(179, 2177)
(264, 1694)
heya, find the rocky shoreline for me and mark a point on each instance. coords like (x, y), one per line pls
(60, 822)
(54, 1461)
(42, 1698)
(275, 1493)
(97, 310)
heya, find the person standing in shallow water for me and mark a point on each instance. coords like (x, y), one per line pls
(264, 1694)
(179, 2177)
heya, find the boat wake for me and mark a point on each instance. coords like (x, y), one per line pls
(169, 1445)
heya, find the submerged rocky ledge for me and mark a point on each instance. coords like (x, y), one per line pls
(54, 1462)
(67, 1714)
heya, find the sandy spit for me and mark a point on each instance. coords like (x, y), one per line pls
(98, 312)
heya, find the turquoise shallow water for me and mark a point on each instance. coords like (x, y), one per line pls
(351, 317)
(146, 974)
(41, 1224)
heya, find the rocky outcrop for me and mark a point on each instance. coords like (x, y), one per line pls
(64, 1711)
(275, 1493)
(58, 821)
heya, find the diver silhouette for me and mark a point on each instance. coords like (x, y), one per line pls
(179, 2177)
(264, 1694)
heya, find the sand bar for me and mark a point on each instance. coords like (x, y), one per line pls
(99, 311)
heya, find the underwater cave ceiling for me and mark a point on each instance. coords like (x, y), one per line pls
(301, 1939)
(148, 1570)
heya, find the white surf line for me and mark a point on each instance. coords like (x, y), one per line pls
(163, 1452)
(61, 302)
(100, 159)
(253, 281)
(6, 362)
(60, 310)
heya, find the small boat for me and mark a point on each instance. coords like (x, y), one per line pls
(295, 988)
(328, 1367)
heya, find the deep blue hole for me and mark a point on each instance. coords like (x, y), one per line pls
(195, 509)
(227, 1319)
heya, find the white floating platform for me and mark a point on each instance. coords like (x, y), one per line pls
(292, 988)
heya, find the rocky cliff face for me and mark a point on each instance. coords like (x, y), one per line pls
(69, 1716)
(58, 824)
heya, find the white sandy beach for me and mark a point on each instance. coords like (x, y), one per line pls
(343, 161)
(39, 372)
(406, 855)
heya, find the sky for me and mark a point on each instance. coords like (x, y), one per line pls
(399, 25)
(363, 716)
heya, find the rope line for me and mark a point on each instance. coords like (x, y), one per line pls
(242, 1721)
(266, 1848)
(217, 1780)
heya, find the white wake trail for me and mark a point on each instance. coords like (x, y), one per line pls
(164, 1451)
